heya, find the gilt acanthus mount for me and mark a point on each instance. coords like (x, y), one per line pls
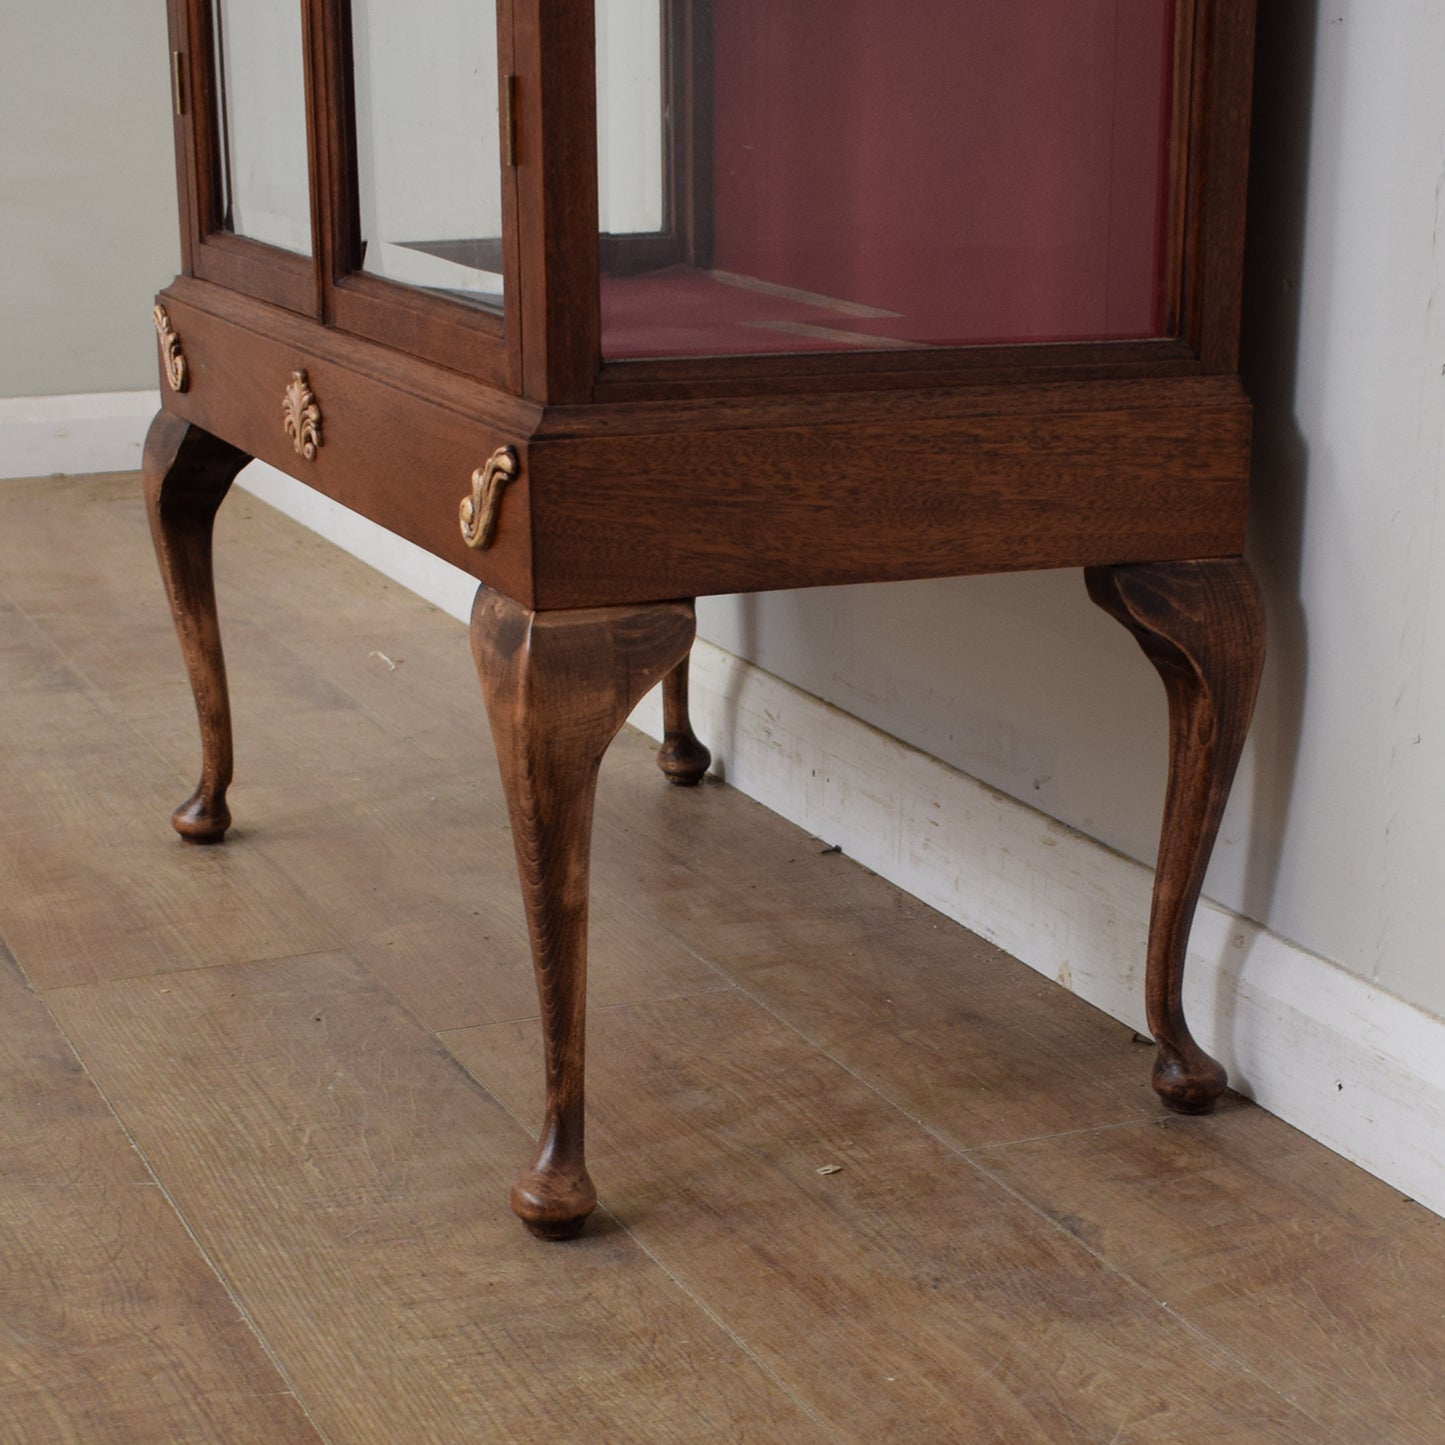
(172, 357)
(301, 416)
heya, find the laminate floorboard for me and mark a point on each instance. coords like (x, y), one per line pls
(955, 1032)
(93, 887)
(350, 1180)
(904, 1296)
(1329, 1279)
(428, 896)
(112, 1325)
(322, 1039)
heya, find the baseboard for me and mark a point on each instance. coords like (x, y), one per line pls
(1349, 1065)
(42, 436)
(443, 585)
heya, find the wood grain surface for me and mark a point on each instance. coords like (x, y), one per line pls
(874, 1291)
(350, 1180)
(1201, 624)
(1243, 1225)
(92, 887)
(559, 687)
(113, 1327)
(678, 499)
(871, 976)
(322, 1039)
(187, 475)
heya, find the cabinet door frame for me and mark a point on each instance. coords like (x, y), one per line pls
(210, 252)
(685, 236)
(472, 340)
(327, 286)
(547, 346)
(1213, 90)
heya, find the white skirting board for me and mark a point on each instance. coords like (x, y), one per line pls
(41, 436)
(1355, 1068)
(1349, 1065)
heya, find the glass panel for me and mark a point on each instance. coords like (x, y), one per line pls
(428, 145)
(265, 193)
(629, 116)
(844, 175)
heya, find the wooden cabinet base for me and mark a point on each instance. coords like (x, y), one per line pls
(1035, 365)
(559, 685)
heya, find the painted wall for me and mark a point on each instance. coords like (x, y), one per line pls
(1335, 835)
(87, 195)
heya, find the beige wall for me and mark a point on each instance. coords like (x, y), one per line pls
(87, 194)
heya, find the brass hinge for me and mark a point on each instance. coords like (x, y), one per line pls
(178, 81)
(509, 119)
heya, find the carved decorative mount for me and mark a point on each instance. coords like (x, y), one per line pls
(172, 357)
(479, 511)
(301, 416)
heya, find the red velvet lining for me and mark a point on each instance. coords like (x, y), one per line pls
(990, 170)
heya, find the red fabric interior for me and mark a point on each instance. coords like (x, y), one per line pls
(988, 170)
(684, 312)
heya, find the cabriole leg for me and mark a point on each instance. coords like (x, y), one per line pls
(681, 757)
(187, 475)
(1202, 626)
(558, 687)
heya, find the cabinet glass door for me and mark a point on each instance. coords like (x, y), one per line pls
(633, 125)
(261, 114)
(428, 162)
(850, 175)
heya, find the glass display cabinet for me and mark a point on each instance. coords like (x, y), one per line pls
(615, 304)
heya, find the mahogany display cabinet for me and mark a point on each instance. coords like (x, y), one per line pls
(617, 304)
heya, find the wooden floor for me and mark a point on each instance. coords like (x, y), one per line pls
(863, 1177)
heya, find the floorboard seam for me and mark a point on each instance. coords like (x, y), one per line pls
(728, 1330)
(231, 1293)
(1144, 1121)
(1053, 1224)
(161, 974)
(596, 1008)
(721, 1324)
(97, 694)
(1217, 1345)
